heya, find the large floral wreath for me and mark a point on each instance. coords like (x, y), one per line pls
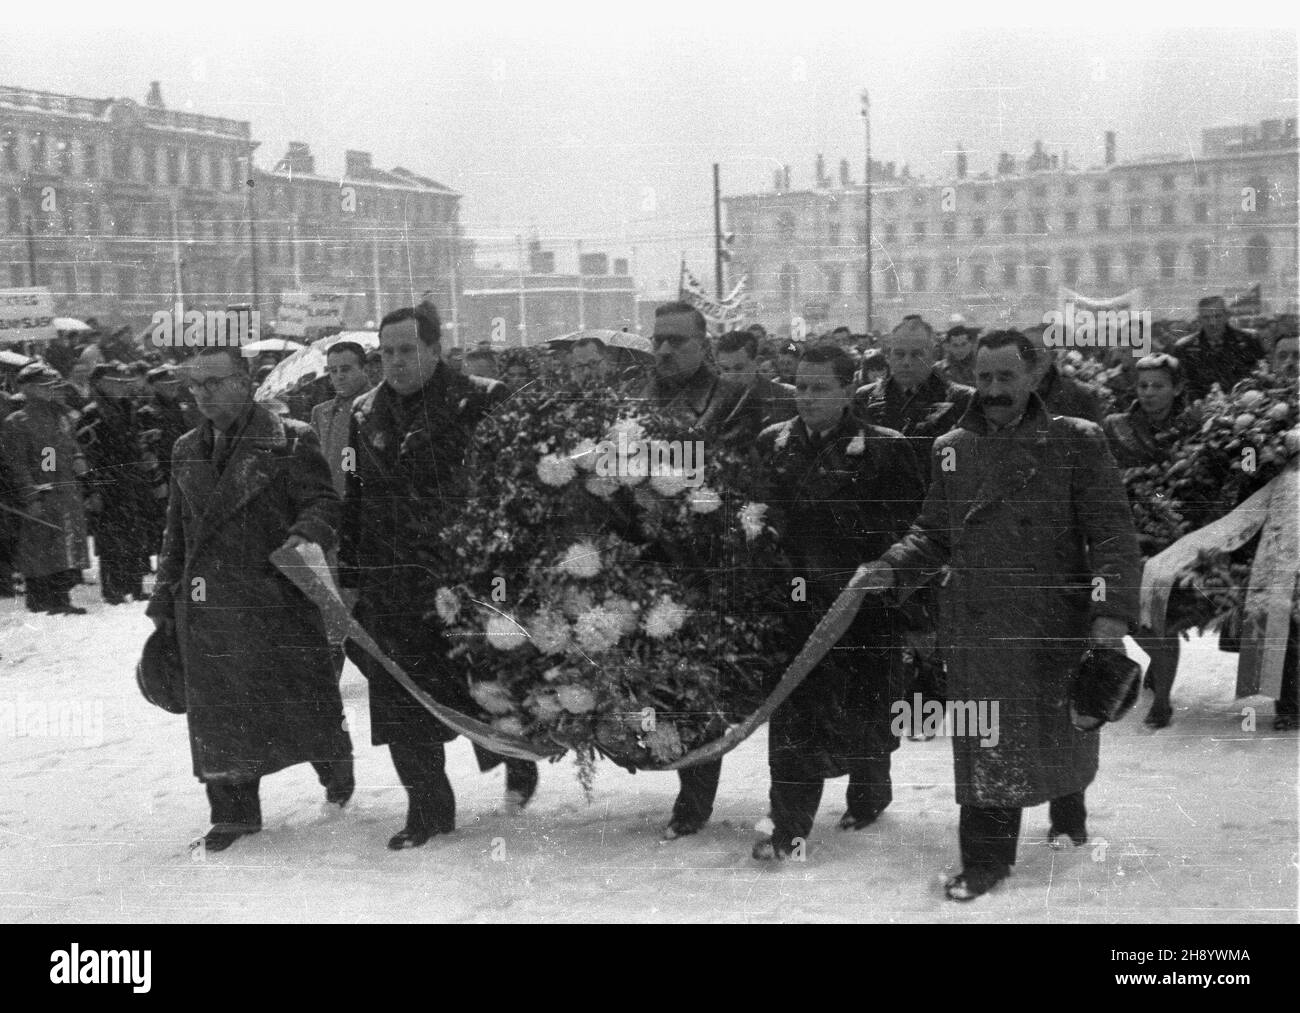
(605, 593)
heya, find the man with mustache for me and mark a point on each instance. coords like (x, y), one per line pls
(1029, 514)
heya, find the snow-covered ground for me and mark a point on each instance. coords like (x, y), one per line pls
(98, 805)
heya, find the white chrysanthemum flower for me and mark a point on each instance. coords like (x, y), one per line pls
(597, 630)
(550, 633)
(576, 699)
(492, 697)
(632, 470)
(585, 454)
(630, 430)
(547, 707)
(600, 486)
(704, 500)
(446, 604)
(509, 726)
(505, 634)
(556, 470)
(628, 613)
(783, 437)
(669, 482)
(751, 519)
(581, 559)
(553, 673)
(664, 618)
(857, 446)
(575, 603)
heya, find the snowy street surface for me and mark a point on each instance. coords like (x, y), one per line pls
(1193, 823)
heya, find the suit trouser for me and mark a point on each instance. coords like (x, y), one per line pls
(989, 835)
(795, 796)
(238, 803)
(699, 787)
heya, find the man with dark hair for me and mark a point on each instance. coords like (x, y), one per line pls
(589, 361)
(687, 386)
(119, 498)
(260, 690)
(345, 365)
(45, 464)
(163, 419)
(736, 354)
(1061, 394)
(375, 367)
(482, 362)
(839, 489)
(1217, 353)
(958, 362)
(1028, 513)
(787, 361)
(412, 436)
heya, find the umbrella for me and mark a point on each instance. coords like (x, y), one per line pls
(611, 339)
(271, 345)
(66, 324)
(307, 364)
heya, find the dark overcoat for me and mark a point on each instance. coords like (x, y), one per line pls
(836, 505)
(109, 434)
(259, 680)
(43, 460)
(410, 479)
(922, 416)
(1026, 519)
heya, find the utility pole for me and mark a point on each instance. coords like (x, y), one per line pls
(717, 231)
(31, 255)
(582, 308)
(523, 304)
(866, 189)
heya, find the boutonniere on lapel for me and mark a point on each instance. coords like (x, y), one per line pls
(380, 440)
(463, 402)
(856, 446)
(783, 437)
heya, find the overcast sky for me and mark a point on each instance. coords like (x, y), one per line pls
(601, 129)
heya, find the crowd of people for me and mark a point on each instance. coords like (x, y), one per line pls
(943, 476)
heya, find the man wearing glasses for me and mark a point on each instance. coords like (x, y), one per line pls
(260, 689)
(686, 385)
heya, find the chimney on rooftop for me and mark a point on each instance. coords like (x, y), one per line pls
(357, 164)
(961, 162)
(846, 180)
(154, 99)
(820, 172)
(298, 159)
(1110, 147)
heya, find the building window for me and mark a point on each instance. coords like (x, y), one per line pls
(1040, 223)
(833, 281)
(90, 155)
(892, 285)
(1009, 224)
(1071, 270)
(1200, 261)
(891, 233)
(949, 227)
(13, 214)
(96, 281)
(979, 275)
(192, 168)
(1039, 276)
(1167, 214)
(1071, 221)
(1103, 219)
(919, 278)
(832, 233)
(121, 161)
(980, 195)
(1101, 267)
(1040, 190)
(38, 151)
(918, 230)
(1166, 264)
(1257, 256)
(862, 235)
(69, 226)
(977, 227)
(789, 284)
(1202, 178)
(1009, 274)
(70, 280)
(948, 276)
(93, 223)
(126, 282)
(1071, 188)
(218, 229)
(1133, 262)
(1134, 184)
(784, 223)
(11, 150)
(214, 170)
(173, 166)
(1167, 182)
(150, 165)
(123, 220)
(1200, 212)
(17, 275)
(1102, 186)
(862, 281)
(1135, 215)
(65, 158)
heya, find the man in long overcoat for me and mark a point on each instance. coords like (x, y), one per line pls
(1030, 513)
(839, 489)
(412, 435)
(260, 689)
(45, 465)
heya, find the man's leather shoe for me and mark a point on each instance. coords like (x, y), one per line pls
(222, 837)
(1056, 838)
(682, 828)
(975, 881)
(767, 850)
(66, 610)
(412, 837)
(851, 822)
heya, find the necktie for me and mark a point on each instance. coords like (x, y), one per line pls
(220, 445)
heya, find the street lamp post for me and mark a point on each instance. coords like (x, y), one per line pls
(866, 189)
